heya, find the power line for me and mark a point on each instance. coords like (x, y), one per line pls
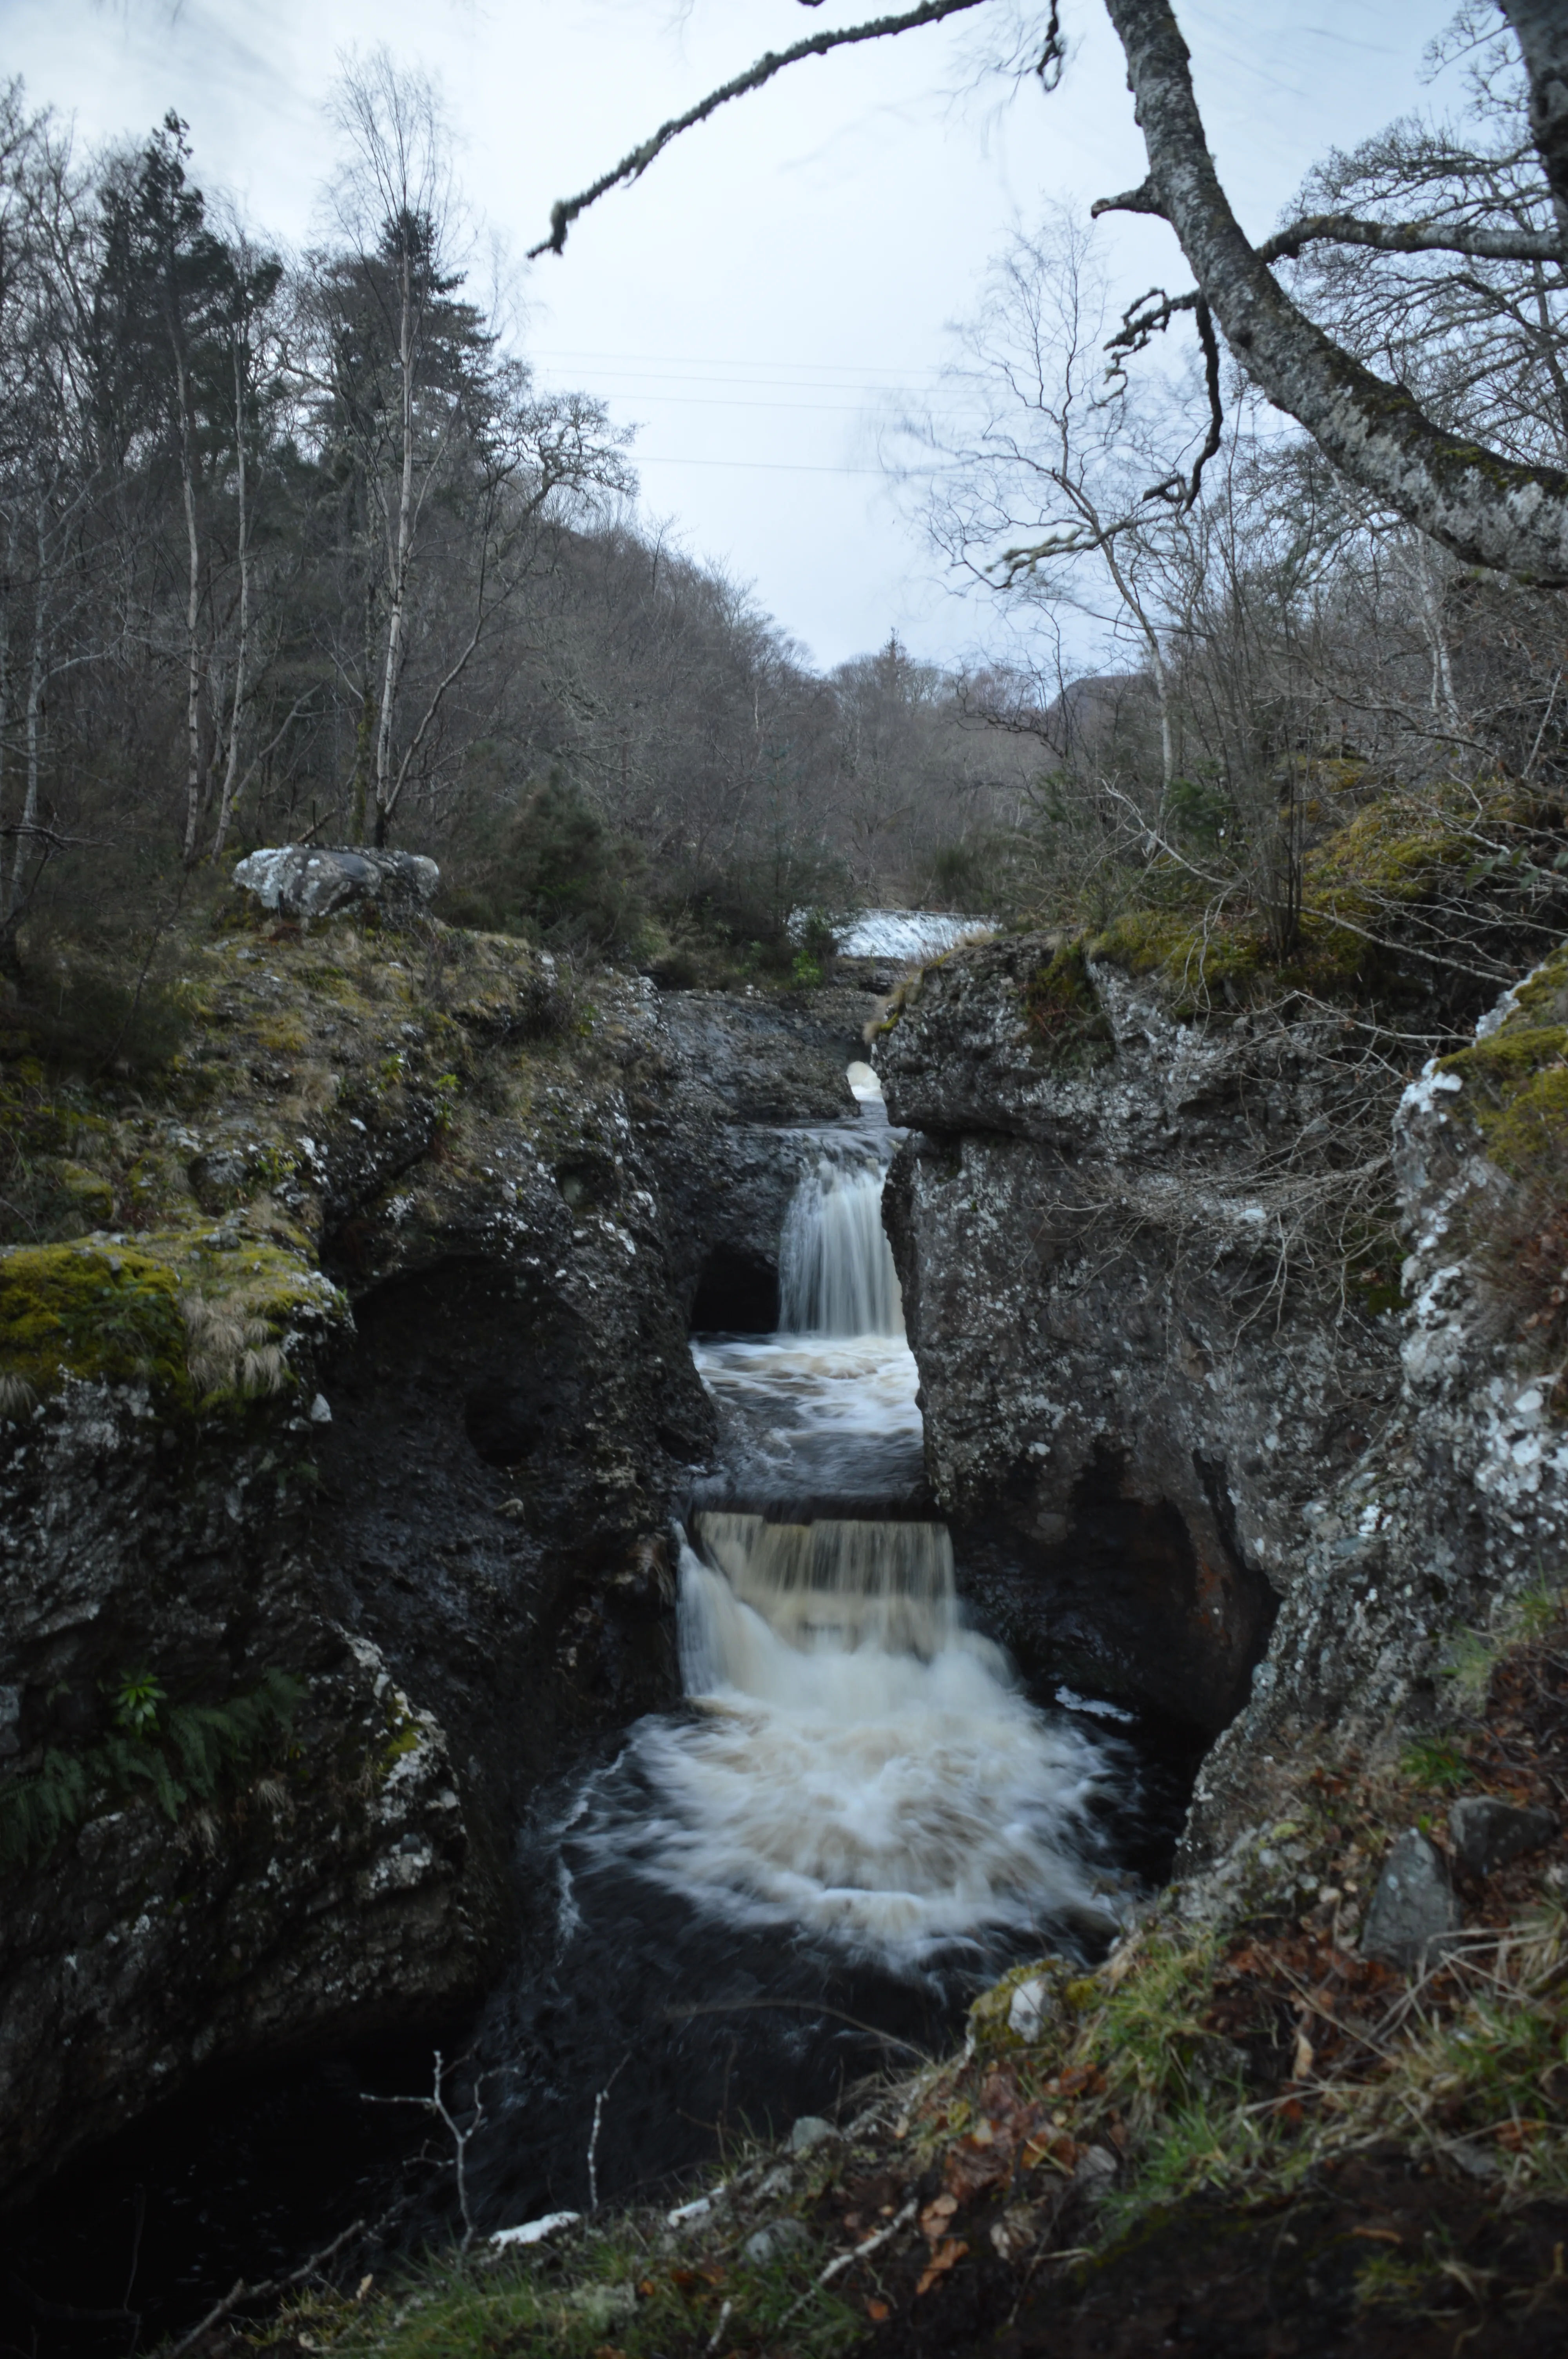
(712, 361)
(774, 466)
(752, 384)
(733, 401)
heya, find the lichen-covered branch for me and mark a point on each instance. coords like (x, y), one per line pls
(773, 61)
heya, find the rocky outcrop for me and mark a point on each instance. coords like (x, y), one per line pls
(1460, 1503)
(1127, 1404)
(1228, 1480)
(304, 881)
(336, 1465)
(334, 1483)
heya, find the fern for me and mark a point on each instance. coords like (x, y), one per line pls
(209, 1741)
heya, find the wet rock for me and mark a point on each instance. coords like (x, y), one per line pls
(299, 880)
(808, 2133)
(1488, 1834)
(779, 1058)
(1255, 1523)
(725, 1131)
(509, 1350)
(1125, 1454)
(1413, 1907)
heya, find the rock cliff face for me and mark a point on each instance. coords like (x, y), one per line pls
(1240, 1489)
(336, 1471)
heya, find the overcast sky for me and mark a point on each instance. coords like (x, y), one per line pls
(784, 272)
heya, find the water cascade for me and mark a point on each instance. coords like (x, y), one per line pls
(862, 1766)
(836, 1268)
(859, 1765)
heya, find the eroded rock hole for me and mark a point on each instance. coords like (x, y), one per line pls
(737, 1294)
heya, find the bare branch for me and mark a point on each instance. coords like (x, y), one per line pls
(773, 61)
(1408, 237)
(1487, 508)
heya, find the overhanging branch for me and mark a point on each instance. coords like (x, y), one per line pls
(774, 61)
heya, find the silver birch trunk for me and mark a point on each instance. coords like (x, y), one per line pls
(192, 620)
(397, 567)
(232, 765)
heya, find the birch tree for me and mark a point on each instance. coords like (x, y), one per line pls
(1482, 503)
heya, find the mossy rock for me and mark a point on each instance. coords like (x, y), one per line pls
(1027, 2004)
(89, 1192)
(1063, 1011)
(92, 1311)
(1516, 1095)
(1194, 962)
(1386, 855)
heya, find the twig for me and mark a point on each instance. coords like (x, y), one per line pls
(240, 2291)
(870, 2244)
(717, 2335)
(593, 2140)
(436, 2102)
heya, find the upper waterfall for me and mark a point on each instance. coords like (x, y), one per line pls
(836, 1266)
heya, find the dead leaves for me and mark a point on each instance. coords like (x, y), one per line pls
(951, 2250)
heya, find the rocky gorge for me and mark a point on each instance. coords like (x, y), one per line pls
(351, 1405)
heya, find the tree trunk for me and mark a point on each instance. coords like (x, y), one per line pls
(399, 555)
(1487, 509)
(38, 674)
(232, 765)
(192, 619)
(1541, 29)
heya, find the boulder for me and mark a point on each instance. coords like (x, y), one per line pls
(1488, 1834)
(1413, 1907)
(301, 880)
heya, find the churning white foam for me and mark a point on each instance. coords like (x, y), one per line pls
(862, 1766)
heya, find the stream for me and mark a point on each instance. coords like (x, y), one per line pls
(744, 1908)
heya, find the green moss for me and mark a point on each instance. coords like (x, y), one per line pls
(94, 1312)
(1064, 1012)
(1516, 1094)
(1196, 963)
(1387, 852)
(1542, 997)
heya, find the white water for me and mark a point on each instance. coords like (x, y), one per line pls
(862, 1766)
(907, 934)
(835, 1267)
(898, 1798)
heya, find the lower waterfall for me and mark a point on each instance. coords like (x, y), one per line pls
(862, 1766)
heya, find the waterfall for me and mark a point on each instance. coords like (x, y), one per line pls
(862, 1766)
(827, 1585)
(835, 1267)
(855, 1764)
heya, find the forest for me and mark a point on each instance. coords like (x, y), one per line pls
(295, 546)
